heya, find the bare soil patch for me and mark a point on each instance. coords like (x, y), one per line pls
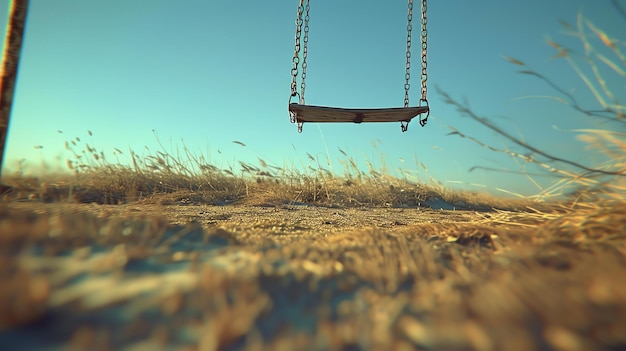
(303, 277)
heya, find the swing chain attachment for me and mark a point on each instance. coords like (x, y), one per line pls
(424, 77)
(404, 126)
(424, 37)
(296, 55)
(424, 74)
(424, 120)
(305, 49)
(424, 40)
(407, 75)
(301, 43)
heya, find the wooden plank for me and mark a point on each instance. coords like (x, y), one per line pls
(324, 114)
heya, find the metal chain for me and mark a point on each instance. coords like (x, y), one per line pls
(305, 51)
(296, 56)
(303, 8)
(424, 77)
(404, 125)
(424, 35)
(407, 75)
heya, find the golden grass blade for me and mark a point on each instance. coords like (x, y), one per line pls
(514, 61)
(604, 38)
(561, 51)
(611, 64)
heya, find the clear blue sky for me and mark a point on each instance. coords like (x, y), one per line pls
(213, 71)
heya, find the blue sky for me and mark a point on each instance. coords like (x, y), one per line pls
(210, 72)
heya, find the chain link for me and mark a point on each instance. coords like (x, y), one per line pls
(296, 56)
(305, 52)
(424, 77)
(303, 9)
(424, 37)
(407, 74)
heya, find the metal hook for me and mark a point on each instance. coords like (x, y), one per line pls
(404, 126)
(424, 120)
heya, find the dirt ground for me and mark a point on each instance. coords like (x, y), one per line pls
(303, 277)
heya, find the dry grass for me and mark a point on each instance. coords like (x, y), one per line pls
(522, 275)
(171, 177)
(506, 280)
(530, 274)
(602, 56)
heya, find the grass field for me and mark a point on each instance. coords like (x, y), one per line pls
(169, 252)
(153, 256)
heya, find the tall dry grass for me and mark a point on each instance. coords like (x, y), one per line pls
(178, 175)
(602, 57)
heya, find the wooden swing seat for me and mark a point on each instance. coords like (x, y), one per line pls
(323, 114)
